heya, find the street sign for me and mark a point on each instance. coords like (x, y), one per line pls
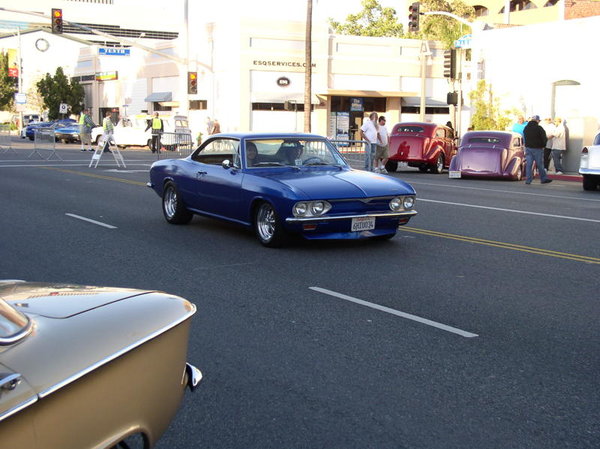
(113, 51)
(20, 98)
(63, 108)
(463, 42)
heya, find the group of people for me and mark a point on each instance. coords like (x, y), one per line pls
(376, 133)
(542, 140)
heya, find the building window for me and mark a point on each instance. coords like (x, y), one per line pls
(196, 105)
(370, 104)
(428, 110)
(156, 106)
(295, 107)
(481, 11)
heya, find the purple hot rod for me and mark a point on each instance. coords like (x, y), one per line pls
(490, 154)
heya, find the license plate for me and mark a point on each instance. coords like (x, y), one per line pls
(454, 174)
(363, 223)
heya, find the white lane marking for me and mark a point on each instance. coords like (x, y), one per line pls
(512, 192)
(408, 316)
(510, 210)
(89, 220)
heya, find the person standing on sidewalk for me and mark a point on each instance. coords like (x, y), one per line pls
(370, 133)
(535, 142)
(548, 125)
(382, 153)
(85, 130)
(559, 145)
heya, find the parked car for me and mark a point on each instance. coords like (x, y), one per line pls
(490, 154)
(68, 133)
(90, 367)
(30, 130)
(424, 145)
(589, 165)
(131, 131)
(281, 184)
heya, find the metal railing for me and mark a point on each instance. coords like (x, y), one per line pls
(354, 151)
(5, 139)
(43, 139)
(180, 143)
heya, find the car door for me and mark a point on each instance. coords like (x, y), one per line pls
(218, 188)
(16, 423)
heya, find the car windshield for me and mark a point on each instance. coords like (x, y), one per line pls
(410, 129)
(12, 322)
(291, 152)
(490, 140)
(597, 140)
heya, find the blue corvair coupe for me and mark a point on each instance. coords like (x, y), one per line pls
(282, 184)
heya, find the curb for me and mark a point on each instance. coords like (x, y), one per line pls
(567, 177)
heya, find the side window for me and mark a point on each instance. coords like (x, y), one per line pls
(440, 133)
(217, 150)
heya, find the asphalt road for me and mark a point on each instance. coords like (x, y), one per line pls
(475, 327)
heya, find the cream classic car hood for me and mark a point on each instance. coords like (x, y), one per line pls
(77, 329)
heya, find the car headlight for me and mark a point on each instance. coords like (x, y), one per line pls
(408, 202)
(396, 204)
(311, 208)
(300, 209)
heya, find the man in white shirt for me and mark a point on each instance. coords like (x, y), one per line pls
(382, 153)
(548, 125)
(370, 133)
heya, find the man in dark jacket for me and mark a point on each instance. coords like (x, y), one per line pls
(535, 141)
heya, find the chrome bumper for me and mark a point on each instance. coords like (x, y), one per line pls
(194, 376)
(409, 213)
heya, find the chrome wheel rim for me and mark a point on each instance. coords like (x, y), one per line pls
(265, 222)
(170, 202)
(440, 163)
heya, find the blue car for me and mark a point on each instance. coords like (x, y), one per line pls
(67, 133)
(30, 130)
(279, 185)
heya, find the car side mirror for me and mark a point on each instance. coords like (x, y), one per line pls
(226, 164)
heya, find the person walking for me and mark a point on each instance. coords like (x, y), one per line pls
(559, 145)
(369, 132)
(85, 130)
(382, 153)
(157, 126)
(108, 130)
(548, 125)
(216, 127)
(535, 141)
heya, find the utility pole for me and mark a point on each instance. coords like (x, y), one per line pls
(308, 68)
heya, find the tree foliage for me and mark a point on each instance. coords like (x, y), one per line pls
(7, 85)
(486, 109)
(59, 89)
(373, 20)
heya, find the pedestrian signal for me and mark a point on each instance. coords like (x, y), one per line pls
(413, 17)
(192, 83)
(450, 64)
(57, 21)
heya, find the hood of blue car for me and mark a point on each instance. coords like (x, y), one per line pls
(335, 183)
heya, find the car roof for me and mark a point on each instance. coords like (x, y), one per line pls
(257, 135)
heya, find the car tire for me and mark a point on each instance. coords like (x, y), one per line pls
(391, 166)
(439, 165)
(173, 208)
(98, 137)
(268, 227)
(589, 182)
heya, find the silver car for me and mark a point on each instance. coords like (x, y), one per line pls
(589, 165)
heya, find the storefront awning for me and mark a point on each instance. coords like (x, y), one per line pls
(159, 97)
(429, 102)
(367, 93)
(281, 97)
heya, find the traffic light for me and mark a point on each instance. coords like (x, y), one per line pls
(413, 17)
(450, 64)
(57, 21)
(192, 83)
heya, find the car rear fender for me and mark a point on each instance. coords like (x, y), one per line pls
(513, 165)
(433, 153)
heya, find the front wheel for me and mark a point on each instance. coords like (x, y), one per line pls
(174, 210)
(267, 226)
